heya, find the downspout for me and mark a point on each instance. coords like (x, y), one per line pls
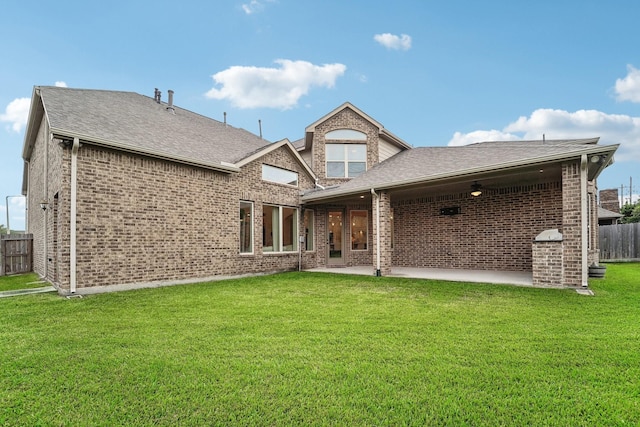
(584, 220)
(300, 238)
(318, 185)
(45, 198)
(73, 225)
(27, 196)
(373, 193)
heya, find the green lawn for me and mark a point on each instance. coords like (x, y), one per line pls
(318, 349)
(20, 281)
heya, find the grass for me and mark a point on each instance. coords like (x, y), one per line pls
(319, 349)
(20, 281)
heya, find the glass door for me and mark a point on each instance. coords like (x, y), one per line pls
(335, 229)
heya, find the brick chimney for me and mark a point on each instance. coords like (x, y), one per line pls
(609, 200)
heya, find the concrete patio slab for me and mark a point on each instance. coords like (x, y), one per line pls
(475, 276)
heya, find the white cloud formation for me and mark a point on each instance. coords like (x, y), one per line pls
(255, 6)
(61, 84)
(17, 113)
(628, 89)
(460, 138)
(255, 87)
(392, 41)
(560, 124)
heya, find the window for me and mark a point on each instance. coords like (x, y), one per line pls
(346, 134)
(279, 229)
(246, 227)
(346, 160)
(308, 230)
(359, 230)
(279, 176)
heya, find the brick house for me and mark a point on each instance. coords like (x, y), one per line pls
(126, 191)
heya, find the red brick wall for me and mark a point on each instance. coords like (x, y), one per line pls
(493, 231)
(547, 263)
(572, 224)
(142, 220)
(345, 119)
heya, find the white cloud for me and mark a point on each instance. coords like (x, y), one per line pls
(255, 6)
(560, 124)
(460, 138)
(61, 84)
(392, 41)
(17, 113)
(628, 89)
(255, 87)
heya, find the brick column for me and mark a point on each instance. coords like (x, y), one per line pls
(547, 259)
(571, 225)
(384, 232)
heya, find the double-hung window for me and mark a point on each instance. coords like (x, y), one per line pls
(279, 229)
(346, 160)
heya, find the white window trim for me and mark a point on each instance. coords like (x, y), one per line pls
(296, 238)
(252, 228)
(346, 160)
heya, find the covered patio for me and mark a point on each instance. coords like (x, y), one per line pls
(517, 278)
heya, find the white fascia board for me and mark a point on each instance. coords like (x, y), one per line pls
(36, 110)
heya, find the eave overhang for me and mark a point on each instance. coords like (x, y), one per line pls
(595, 168)
(87, 139)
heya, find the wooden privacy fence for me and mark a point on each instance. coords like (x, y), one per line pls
(620, 242)
(16, 253)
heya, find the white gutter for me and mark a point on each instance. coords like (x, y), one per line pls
(74, 205)
(584, 220)
(373, 193)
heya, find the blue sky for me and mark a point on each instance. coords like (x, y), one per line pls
(433, 73)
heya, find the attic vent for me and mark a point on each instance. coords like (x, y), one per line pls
(156, 95)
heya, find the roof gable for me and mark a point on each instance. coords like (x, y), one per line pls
(382, 132)
(271, 147)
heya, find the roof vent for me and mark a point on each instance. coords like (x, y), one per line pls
(156, 95)
(170, 104)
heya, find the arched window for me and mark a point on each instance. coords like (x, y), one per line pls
(345, 134)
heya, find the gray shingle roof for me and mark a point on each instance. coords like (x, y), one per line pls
(607, 214)
(136, 122)
(424, 164)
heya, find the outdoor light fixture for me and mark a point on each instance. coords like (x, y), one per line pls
(44, 204)
(595, 159)
(475, 189)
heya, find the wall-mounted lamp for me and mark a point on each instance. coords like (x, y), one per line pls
(476, 189)
(44, 205)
